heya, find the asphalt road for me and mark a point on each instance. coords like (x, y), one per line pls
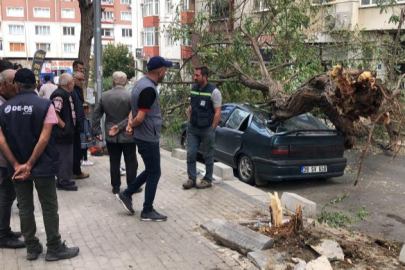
(381, 191)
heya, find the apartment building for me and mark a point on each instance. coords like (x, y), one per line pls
(54, 26)
(151, 24)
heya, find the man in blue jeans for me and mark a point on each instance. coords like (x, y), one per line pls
(145, 122)
(203, 117)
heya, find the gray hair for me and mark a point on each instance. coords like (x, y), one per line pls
(6, 74)
(65, 79)
(77, 73)
(2, 77)
(119, 78)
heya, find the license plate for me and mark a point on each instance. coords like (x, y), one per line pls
(314, 169)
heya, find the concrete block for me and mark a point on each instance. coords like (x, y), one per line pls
(223, 171)
(268, 259)
(213, 224)
(290, 201)
(322, 263)
(242, 239)
(179, 153)
(330, 249)
(402, 254)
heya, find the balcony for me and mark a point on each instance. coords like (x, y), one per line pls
(107, 3)
(187, 17)
(186, 52)
(150, 51)
(151, 21)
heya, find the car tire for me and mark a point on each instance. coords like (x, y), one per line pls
(246, 170)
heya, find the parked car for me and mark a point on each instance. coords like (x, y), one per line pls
(262, 150)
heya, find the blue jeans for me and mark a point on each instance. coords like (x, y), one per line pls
(150, 154)
(205, 137)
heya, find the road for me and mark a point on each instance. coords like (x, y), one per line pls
(381, 191)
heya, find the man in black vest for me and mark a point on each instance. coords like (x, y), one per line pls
(25, 139)
(203, 117)
(8, 239)
(64, 131)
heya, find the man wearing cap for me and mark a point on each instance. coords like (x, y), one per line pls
(64, 131)
(203, 117)
(8, 239)
(25, 139)
(145, 123)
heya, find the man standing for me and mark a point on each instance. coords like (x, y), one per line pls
(48, 88)
(146, 125)
(203, 117)
(116, 105)
(25, 139)
(78, 66)
(64, 131)
(8, 239)
(78, 100)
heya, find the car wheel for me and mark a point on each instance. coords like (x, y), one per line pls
(183, 140)
(246, 170)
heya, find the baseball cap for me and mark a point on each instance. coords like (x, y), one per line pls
(25, 75)
(157, 62)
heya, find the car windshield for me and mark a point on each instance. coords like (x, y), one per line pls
(301, 122)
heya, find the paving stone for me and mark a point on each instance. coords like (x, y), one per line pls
(223, 171)
(242, 239)
(291, 200)
(329, 248)
(322, 263)
(213, 224)
(268, 259)
(179, 154)
(300, 266)
(402, 254)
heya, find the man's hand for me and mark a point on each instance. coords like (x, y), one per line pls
(129, 130)
(89, 139)
(22, 172)
(113, 130)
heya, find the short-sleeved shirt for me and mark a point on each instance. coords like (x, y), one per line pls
(146, 99)
(50, 117)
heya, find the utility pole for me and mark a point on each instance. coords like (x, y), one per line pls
(98, 70)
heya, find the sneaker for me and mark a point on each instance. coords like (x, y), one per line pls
(81, 176)
(87, 163)
(190, 183)
(123, 171)
(66, 187)
(126, 202)
(204, 184)
(32, 255)
(153, 216)
(61, 253)
(16, 234)
(11, 241)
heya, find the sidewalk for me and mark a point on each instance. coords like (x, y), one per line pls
(94, 220)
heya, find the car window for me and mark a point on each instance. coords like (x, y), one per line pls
(301, 122)
(236, 118)
(225, 110)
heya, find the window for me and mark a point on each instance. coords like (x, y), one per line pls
(374, 2)
(16, 29)
(169, 39)
(107, 33)
(1, 45)
(107, 16)
(260, 5)
(126, 16)
(69, 47)
(42, 13)
(129, 48)
(151, 36)
(44, 46)
(42, 30)
(17, 47)
(126, 32)
(189, 5)
(68, 30)
(126, 2)
(236, 119)
(169, 6)
(15, 12)
(220, 9)
(68, 13)
(150, 8)
(225, 110)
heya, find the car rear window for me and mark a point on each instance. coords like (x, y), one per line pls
(301, 122)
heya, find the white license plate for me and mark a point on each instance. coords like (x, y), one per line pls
(314, 169)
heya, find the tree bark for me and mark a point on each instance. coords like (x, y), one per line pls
(86, 35)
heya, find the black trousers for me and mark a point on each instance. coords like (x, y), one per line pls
(115, 150)
(77, 154)
(7, 197)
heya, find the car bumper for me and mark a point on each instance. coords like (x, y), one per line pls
(276, 170)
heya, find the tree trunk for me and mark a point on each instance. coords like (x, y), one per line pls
(86, 35)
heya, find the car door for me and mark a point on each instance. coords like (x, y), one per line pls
(229, 136)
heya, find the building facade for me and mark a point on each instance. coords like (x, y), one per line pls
(54, 26)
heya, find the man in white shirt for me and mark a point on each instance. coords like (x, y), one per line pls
(48, 88)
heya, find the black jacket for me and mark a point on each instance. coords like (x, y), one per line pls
(66, 134)
(78, 100)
